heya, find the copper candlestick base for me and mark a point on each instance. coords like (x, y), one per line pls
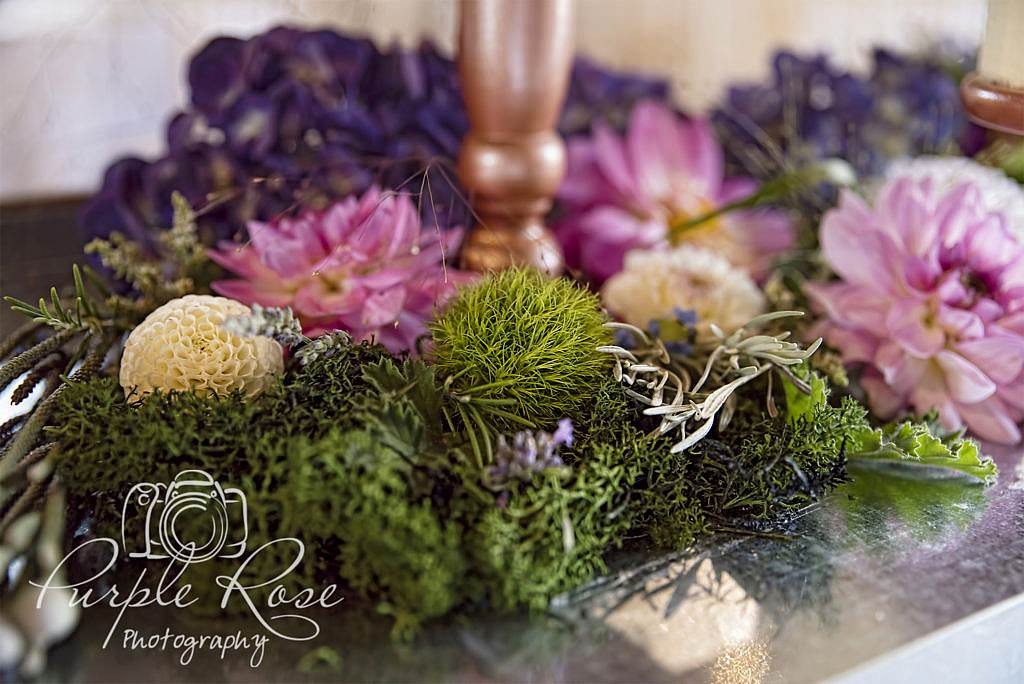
(993, 105)
(494, 248)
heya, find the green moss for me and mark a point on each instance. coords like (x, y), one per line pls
(552, 534)
(353, 455)
(391, 544)
(761, 467)
(525, 346)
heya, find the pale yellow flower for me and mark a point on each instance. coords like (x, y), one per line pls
(183, 346)
(654, 283)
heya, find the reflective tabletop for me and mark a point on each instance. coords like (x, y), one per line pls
(896, 576)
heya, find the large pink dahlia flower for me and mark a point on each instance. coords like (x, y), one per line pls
(365, 265)
(624, 193)
(931, 303)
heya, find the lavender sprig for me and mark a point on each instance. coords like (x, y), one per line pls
(531, 452)
(275, 322)
(323, 347)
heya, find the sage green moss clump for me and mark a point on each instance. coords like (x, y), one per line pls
(524, 345)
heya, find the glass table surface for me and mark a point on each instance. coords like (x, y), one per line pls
(892, 578)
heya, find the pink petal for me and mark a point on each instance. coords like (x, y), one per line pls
(607, 234)
(583, 184)
(241, 260)
(610, 153)
(851, 305)
(656, 152)
(1013, 394)
(703, 154)
(316, 300)
(856, 346)
(288, 255)
(930, 392)
(1000, 358)
(382, 308)
(249, 292)
(337, 222)
(990, 420)
(956, 213)
(885, 403)
(960, 323)
(856, 251)
(966, 383)
(735, 189)
(902, 372)
(990, 247)
(907, 325)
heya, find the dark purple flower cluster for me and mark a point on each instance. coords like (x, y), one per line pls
(530, 453)
(293, 117)
(810, 110)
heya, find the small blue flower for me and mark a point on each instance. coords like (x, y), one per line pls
(687, 317)
(679, 348)
(623, 338)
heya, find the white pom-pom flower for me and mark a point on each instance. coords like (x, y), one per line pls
(183, 346)
(654, 284)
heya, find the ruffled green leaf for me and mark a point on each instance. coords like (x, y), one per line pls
(918, 442)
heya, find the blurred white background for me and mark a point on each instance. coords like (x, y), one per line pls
(83, 81)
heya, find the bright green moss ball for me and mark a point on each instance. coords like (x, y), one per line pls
(526, 341)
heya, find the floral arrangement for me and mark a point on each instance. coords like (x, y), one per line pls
(737, 338)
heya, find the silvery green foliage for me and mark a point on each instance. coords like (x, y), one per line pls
(651, 377)
(323, 347)
(276, 322)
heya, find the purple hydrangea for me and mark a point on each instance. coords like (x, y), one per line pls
(293, 117)
(810, 110)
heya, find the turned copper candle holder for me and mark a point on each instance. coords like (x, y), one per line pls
(996, 106)
(994, 95)
(514, 60)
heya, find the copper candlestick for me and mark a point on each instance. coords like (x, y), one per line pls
(994, 95)
(514, 62)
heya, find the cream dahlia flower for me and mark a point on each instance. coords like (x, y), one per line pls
(654, 284)
(183, 346)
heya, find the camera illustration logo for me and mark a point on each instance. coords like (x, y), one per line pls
(192, 519)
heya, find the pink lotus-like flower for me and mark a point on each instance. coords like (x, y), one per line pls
(364, 265)
(624, 193)
(930, 302)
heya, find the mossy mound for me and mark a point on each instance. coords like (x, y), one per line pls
(524, 345)
(353, 456)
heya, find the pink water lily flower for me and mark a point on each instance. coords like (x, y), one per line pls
(930, 302)
(365, 265)
(627, 192)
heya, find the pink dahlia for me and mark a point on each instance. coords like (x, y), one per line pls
(363, 265)
(624, 193)
(931, 303)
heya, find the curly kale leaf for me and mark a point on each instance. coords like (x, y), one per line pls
(919, 442)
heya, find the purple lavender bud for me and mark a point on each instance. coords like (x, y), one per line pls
(563, 434)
